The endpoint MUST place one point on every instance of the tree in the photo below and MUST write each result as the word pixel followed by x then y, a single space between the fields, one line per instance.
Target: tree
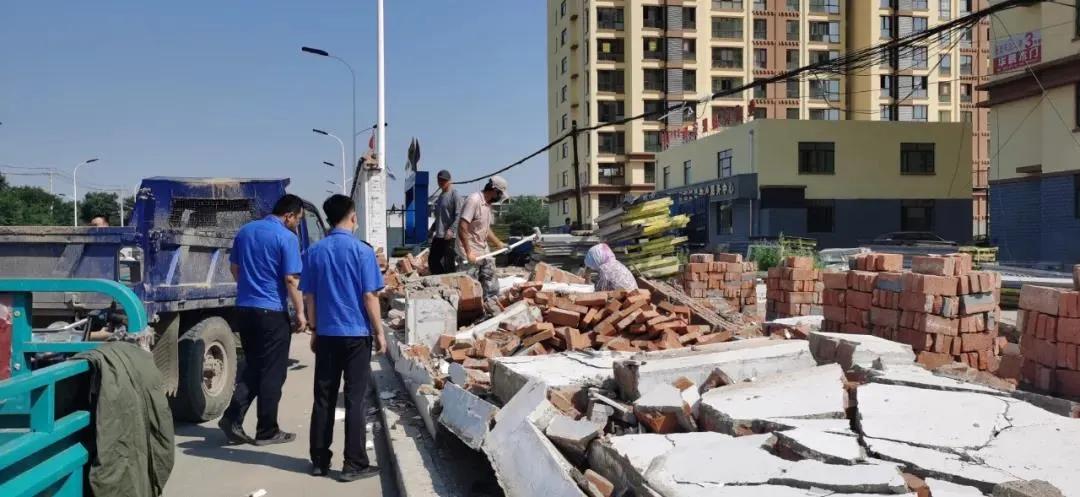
pixel 32 206
pixel 523 213
pixel 104 204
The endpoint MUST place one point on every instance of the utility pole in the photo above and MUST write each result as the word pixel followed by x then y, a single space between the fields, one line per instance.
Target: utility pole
pixel 577 174
pixel 372 187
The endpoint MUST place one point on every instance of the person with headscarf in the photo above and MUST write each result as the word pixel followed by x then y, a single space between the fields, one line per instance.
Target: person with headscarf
pixel 611 274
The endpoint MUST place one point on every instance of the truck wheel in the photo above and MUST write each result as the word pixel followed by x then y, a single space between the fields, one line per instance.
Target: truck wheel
pixel 207 354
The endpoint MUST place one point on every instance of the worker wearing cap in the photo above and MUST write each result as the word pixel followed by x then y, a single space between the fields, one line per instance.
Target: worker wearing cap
pixel 474 232
pixel 443 231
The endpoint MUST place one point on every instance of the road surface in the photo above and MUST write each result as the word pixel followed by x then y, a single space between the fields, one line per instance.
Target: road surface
pixel 206 467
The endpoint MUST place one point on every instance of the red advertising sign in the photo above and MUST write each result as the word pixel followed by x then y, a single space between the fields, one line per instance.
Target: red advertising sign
pixel 1017 51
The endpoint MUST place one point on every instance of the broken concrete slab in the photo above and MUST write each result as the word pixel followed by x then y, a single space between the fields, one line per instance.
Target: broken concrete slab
pixel 664 410
pixel 573 436
pixel 624 460
pixel 861 478
pixel 930 418
pixel 587 368
pixel 1039 450
pixel 518 314
pixel 836 426
pixel 818 445
pixel 943 488
pixel 938 463
pixel 1021 488
pixel 526 463
pixel 739 362
pixel 916 376
pixel 850 350
pixel 458 374
pixel 466 415
pixel 816 393
pixel 427 318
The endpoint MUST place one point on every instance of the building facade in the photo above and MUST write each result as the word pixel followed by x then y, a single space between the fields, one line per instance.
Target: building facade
pixel 609 59
pixel 840 183
pixel 1034 102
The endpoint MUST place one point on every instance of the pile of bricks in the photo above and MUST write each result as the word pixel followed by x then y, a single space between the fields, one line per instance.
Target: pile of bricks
pixel 722 276
pixel 793 289
pixel 1049 320
pixel 942 308
pixel 546 273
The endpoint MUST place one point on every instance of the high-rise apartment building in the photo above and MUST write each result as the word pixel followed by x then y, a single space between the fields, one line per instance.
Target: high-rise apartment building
pixel 610 59
pixel 934 81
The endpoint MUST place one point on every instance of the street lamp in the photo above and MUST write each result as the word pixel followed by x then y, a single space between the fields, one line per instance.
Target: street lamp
pixel 75 189
pixel 324 53
pixel 330 164
pixel 342 144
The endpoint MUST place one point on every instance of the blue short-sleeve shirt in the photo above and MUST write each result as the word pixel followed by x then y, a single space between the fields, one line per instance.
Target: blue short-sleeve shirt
pixel 338 271
pixel 266 251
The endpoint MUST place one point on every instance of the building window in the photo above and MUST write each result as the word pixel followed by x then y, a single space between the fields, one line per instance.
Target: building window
pixel 919 5
pixel 944 92
pixel 912 87
pixel 652 142
pixel 761 29
pixel 759 5
pixel 965 92
pixel 792 29
pixel 727 58
pixel 562 38
pixel 689 49
pixel 563 66
pixel 723 163
pixel 650 170
pixel 918 25
pixel 821 56
pixel 826 6
pixel 609 80
pixel 654 79
pixel 565 150
pixel 727 28
pixel 965 65
pixel 793 5
pixel 689 80
pixel 565 206
pixel 563 123
pixel 725 222
pixel 686 172
pixel 913 58
pixel 886 4
pixel 791 113
pixel 610 174
pixel 612 143
pixel 913 113
pixel 965 116
pixel 689 18
pixel 966 38
pixel 886 113
pixel 886 27
pixel 791 58
pixel 610 110
pixel 824 114
pixel 761 58
pixel 653 48
pixel 760 113
pixel 945 9
pixel 917 215
pixel 944 116
pixel 945 66
pixel 916 158
pixel 825 89
pixel 565 175
pixel 826 32
pixel 654 109
pixel 792 88
pixel 817 157
pixel 727 116
pixel 965 7
pixel 653 16
pixel 819 216
pixel 562 94
pixel 609 18
pixel 727 4
pixel 759 89
pixel 667 177
pixel 609 49
pixel 726 85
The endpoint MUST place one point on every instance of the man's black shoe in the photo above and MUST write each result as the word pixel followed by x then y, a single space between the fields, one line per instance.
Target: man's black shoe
pixel 280 437
pixel 353 474
pixel 320 470
pixel 234 433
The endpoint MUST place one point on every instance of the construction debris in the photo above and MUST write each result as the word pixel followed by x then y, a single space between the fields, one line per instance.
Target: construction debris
pixel 722 276
pixel 793 289
pixel 1050 322
pixel 642 237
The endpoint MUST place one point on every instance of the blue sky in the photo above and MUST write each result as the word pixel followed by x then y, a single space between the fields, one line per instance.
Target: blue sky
pixel 213 88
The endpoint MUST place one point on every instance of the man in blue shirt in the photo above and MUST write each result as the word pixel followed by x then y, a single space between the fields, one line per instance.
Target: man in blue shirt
pixel 341 282
pixel 265 262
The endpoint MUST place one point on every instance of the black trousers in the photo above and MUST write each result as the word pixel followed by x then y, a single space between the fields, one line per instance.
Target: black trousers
pixel 265 336
pixel 334 357
pixel 441 256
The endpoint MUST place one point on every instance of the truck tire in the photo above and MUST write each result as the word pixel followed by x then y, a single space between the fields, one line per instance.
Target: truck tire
pixel 207 354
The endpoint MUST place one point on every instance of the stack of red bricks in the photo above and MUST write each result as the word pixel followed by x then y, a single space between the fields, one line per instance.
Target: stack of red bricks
pixel 942 308
pixel 1049 319
pixel 723 276
pixel 793 289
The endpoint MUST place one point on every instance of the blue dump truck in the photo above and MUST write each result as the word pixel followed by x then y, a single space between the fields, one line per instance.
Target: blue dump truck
pixel 174 256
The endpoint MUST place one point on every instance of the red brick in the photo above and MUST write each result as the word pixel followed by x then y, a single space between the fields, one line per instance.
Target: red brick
pixel 933 360
pixel 889 262
pixel 595 299
pixel 701 257
pixel 885 317
pixel 862 281
pixel 723 257
pixel 835 280
pixel 974 342
pixel 601 485
pixel 533 328
pixel 444 343
pixel 1043 299
pixel 1068 330
pixel 1067 382
pixel 1066 356
pixel 832 313
pixel 858 300
pixel 1045 378
pixel 1045 353
pixel 930 323
pixel 537 338
pixel 943 344
pixel 939 266
pixel 929 284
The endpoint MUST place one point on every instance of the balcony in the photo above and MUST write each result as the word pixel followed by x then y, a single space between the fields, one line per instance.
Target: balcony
pixel 610 180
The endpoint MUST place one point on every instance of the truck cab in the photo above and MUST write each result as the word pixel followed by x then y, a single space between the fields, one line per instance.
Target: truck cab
pixel 174 255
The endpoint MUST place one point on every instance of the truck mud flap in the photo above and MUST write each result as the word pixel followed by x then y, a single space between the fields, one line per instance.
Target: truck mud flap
pixel 165 351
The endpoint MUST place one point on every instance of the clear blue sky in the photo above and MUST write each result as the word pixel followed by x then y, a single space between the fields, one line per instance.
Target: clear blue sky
pixel 213 88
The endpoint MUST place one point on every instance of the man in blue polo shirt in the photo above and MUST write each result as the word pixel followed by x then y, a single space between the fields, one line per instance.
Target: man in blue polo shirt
pixel 265 262
pixel 341 282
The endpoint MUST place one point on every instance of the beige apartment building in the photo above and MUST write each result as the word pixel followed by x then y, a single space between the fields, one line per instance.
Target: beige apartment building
pixel 609 59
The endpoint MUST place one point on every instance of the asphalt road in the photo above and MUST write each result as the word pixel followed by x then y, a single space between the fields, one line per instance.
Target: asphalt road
pixel 206 467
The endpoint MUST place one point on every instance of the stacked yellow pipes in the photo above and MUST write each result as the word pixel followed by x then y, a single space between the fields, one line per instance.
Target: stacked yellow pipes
pixel 643 237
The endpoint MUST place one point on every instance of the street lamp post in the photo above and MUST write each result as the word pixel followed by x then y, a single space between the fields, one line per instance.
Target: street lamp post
pixel 75 189
pixel 342 144
pixel 324 53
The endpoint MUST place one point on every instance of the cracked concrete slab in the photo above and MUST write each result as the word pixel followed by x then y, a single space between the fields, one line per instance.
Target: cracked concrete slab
pixel 466 415
pixel 664 410
pixel 819 446
pixel 838 426
pixel 573 436
pixel 868 478
pixel 813 393
pixel 1045 451
pixel 739 361
pixel 938 463
pixel 930 418
pixel 919 377
pixel 850 350
pixel 943 488
pixel 592 368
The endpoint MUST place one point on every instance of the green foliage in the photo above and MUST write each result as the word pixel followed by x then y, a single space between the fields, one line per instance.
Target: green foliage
pixel 32 206
pixel 769 256
pixel 523 213
pixel 103 204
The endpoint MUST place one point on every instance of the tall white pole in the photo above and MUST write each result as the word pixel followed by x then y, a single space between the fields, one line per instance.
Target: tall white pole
pixel 375 180
pixel 120 200
pixel 75 190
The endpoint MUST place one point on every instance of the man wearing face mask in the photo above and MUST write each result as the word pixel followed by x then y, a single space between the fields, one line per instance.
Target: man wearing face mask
pixel 265 262
pixel 474 232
